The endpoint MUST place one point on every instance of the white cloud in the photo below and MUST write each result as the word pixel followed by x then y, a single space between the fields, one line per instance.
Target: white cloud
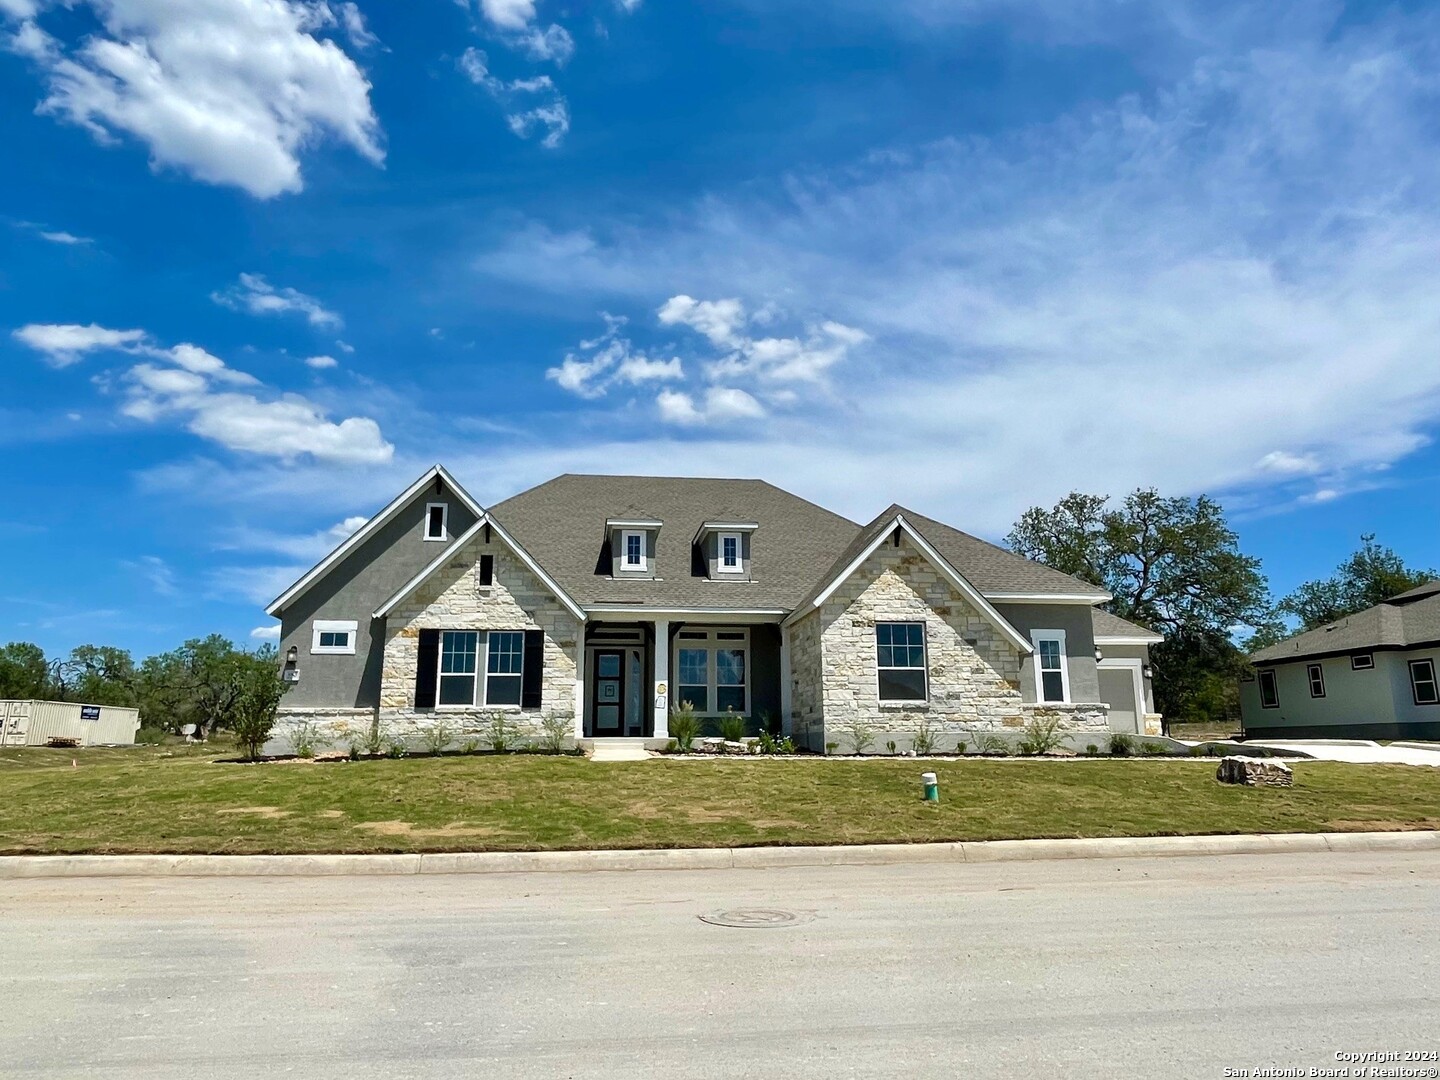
pixel 628 6
pixel 641 369
pixel 1221 286
pixel 156 572
pixel 553 43
pixel 720 404
pixel 255 295
pixel 352 20
pixel 602 362
pixel 265 633
pixel 62 237
pixel 322 362
pixel 229 91
pixel 67 343
pixel 718 320
pixel 508 14
pixel 552 115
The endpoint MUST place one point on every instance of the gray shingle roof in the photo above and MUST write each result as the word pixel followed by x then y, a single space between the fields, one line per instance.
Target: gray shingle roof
pixel 1106 625
pixel 562 524
pixel 1408 620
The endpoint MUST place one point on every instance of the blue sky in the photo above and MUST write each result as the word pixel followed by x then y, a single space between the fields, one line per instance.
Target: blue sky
pixel 262 262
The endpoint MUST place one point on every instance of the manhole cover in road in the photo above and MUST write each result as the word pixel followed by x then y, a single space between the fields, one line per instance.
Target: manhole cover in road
pixel 755 918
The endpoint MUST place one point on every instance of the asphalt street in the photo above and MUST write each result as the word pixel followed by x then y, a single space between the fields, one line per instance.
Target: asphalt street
pixel 1176 967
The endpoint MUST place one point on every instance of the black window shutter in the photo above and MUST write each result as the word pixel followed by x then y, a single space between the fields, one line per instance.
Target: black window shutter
pixel 534 673
pixel 487 569
pixel 428 669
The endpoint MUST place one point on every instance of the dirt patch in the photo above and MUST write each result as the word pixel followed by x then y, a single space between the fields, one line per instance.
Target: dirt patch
pixel 331 814
pixel 257 811
pixel 405 828
pixel 1380 825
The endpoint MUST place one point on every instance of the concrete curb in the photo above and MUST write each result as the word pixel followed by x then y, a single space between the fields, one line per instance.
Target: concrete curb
pixel 512 862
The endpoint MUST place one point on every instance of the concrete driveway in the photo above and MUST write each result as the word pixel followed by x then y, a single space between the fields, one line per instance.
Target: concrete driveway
pixel 1098 968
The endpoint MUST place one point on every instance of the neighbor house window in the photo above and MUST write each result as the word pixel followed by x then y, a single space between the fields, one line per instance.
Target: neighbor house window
pixel 1269 692
pixel 460 673
pixel 713 670
pixel 900 658
pixel 437 516
pixel 333 636
pixel 505 668
pixel 1422 682
pixel 730 561
pixel 458 649
pixel 633 550
pixel 1052 679
pixel 1316 674
pixel 1362 661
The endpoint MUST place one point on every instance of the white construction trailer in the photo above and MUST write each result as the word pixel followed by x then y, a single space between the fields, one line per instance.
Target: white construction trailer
pixel 35 723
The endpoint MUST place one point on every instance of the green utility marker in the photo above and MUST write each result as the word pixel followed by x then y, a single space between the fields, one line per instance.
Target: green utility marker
pixel 932 787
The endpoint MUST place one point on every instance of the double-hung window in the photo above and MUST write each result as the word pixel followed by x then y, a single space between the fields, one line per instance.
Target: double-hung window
pixel 713 670
pixel 730 558
pixel 900 660
pixel 632 550
pixel 1316 676
pixel 1422 682
pixel 1052 677
pixel 1269 690
pixel 461 682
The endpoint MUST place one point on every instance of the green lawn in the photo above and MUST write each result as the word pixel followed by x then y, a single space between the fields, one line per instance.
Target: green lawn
pixel 181 800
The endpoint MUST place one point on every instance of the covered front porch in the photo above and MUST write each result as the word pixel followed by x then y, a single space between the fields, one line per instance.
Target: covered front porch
pixel 635 666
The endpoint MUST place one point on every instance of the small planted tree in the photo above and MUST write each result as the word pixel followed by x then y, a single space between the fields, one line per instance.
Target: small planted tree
pixel 252 712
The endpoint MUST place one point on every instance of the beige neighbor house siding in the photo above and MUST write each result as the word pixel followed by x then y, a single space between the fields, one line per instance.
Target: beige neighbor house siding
pixel 973 672
pixel 453 599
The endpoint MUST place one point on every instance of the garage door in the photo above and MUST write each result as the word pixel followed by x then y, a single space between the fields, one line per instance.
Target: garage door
pixel 1117 687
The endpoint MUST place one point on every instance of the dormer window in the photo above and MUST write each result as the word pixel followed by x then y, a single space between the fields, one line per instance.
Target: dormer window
pixel 634 550
pixel 730 561
pixel 437 517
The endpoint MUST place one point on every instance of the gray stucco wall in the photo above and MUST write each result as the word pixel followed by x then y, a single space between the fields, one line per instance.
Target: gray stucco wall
pixel 711 552
pixel 1075 620
pixel 1134 652
pixel 1375 703
pixel 351 590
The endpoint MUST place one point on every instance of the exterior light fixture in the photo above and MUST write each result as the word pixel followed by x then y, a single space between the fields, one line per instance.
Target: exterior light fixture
pixel 292 654
pixel 1099 655
pixel 1148 671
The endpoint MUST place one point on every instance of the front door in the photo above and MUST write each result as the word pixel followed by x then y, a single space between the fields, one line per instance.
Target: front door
pixel 609 692
pixel 1117 689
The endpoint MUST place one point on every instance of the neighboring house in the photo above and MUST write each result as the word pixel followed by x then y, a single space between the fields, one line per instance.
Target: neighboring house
pixel 611 599
pixel 1368 676
pixel 1371 675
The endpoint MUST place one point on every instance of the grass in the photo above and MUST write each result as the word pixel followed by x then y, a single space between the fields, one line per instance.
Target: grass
pixel 180 800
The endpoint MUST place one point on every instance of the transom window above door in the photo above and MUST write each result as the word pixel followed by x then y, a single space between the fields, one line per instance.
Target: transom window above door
pixel 712 669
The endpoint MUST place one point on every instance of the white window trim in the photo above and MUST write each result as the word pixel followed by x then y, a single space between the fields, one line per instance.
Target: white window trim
pixel 739 567
pixel 444 521
pixel 625 565
pixel 1037 636
pixel 890 703
pixel 333 626
pixel 712 644
pixel 481 675
pixel 1433 680
pixel 1314 673
pixel 1368 665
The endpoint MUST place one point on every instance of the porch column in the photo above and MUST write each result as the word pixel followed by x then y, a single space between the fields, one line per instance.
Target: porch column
pixel 786 689
pixel 579 731
pixel 662 679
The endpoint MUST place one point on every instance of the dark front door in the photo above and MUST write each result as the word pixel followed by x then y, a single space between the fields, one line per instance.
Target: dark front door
pixel 609 696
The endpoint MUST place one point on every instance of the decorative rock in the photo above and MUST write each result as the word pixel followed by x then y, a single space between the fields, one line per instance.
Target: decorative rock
pixel 1252 772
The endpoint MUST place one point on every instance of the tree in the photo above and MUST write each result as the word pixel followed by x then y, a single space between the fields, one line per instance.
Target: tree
pixel 202 683
pixel 1370 576
pixel 96 675
pixel 23 671
pixel 253 714
pixel 1172 564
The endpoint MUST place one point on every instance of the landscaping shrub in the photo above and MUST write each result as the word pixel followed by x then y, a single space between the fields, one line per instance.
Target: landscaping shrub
pixel 1154 749
pixel 732 727
pixel 1042 734
pixel 502 734
pixel 684 727
pixel 831 747
pixel 1121 744
pixel 861 734
pixel 923 741
pixel 1091 750
pixel 395 745
pixel 773 744
pixel 960 747
pixel 890 746
pixel 303 737
pixel 438 737
pixel 470 745
pixel 989 743
pixel 555 729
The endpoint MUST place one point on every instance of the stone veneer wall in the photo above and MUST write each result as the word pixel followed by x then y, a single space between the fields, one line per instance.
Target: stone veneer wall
pixel 453 599
pixel 972 687
pixel 806 724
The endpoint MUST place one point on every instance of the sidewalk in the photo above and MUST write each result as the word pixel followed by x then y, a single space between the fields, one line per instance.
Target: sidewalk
pixel 507 862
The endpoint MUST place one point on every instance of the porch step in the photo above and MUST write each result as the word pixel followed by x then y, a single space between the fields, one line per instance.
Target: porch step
pixel 616 749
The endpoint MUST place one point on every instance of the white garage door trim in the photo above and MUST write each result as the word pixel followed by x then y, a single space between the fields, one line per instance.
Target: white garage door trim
pixel 1137 673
